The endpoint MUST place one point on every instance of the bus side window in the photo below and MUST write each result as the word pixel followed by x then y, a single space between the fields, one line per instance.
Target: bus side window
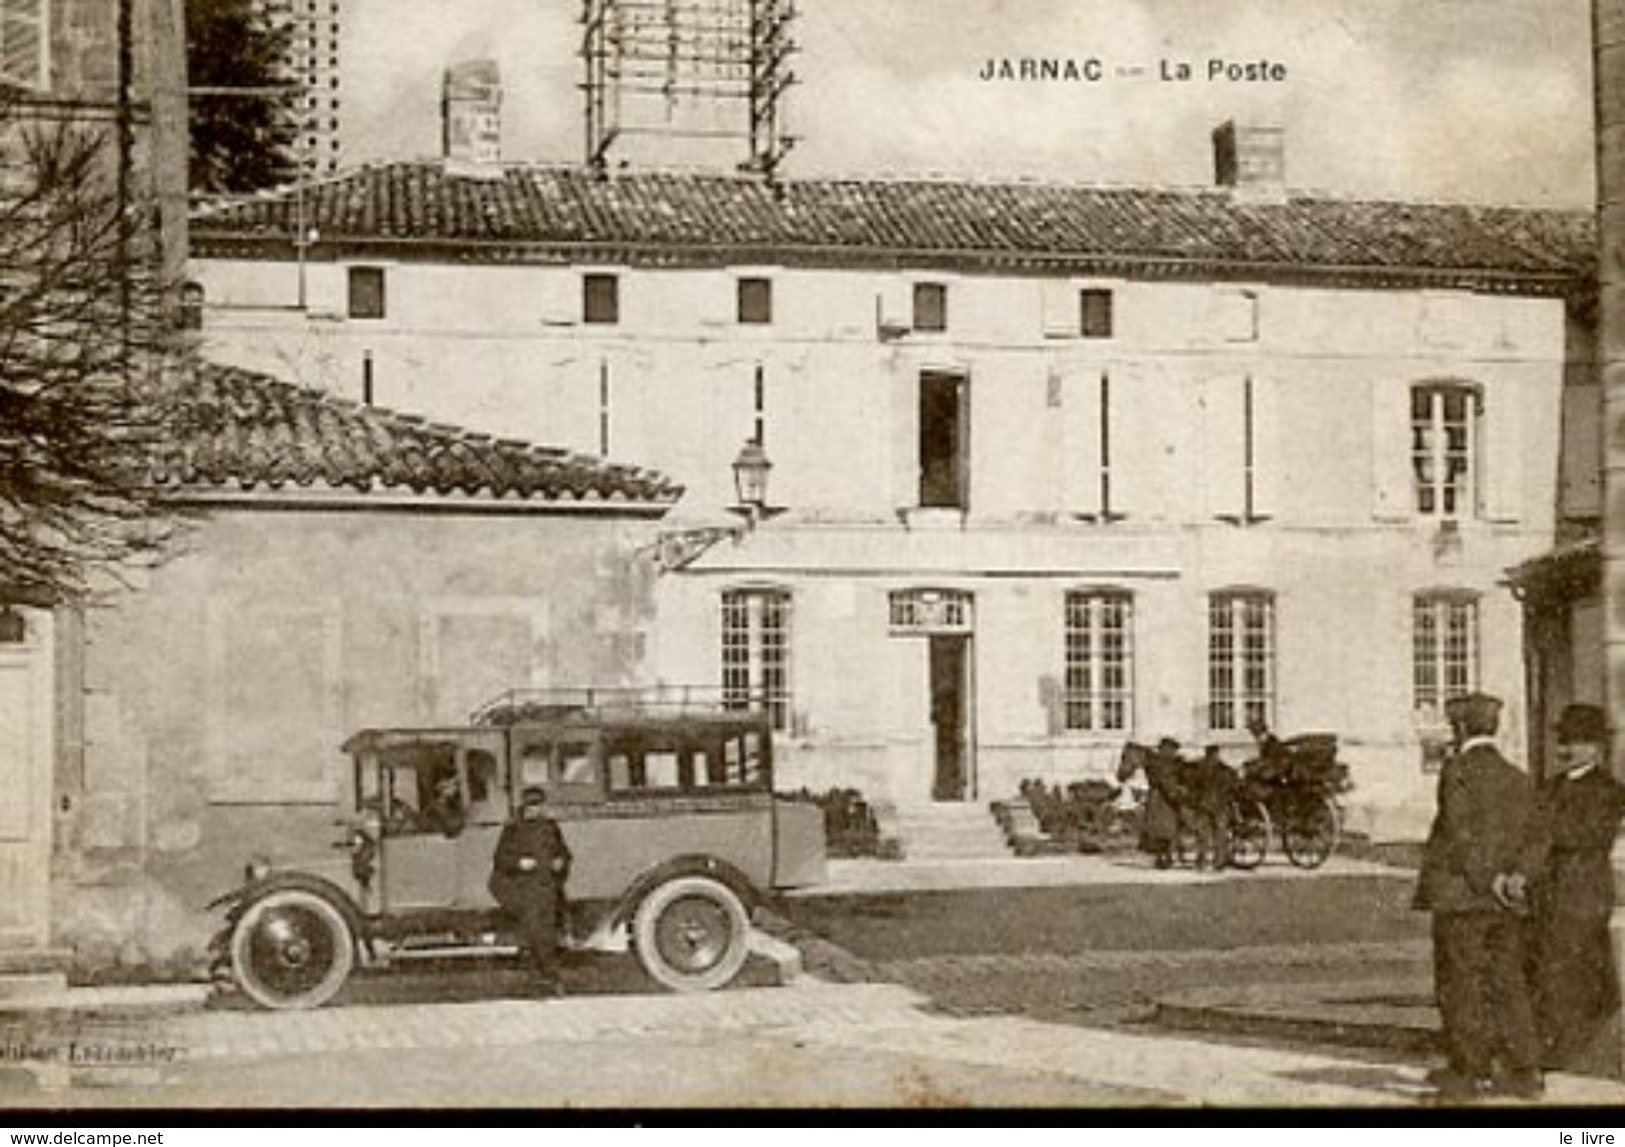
pixel 620 771
pixel 533 766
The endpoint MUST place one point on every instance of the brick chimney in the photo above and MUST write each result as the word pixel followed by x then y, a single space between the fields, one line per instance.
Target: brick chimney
pixel 1250 159
pixel 471 119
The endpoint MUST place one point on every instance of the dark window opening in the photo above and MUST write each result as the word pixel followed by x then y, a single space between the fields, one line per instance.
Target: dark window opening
pixel 944 441
pixel 930 307
pixel 601 298
pixel 1096 308
pixel 366 292
pixel 192 299
pixel 755 300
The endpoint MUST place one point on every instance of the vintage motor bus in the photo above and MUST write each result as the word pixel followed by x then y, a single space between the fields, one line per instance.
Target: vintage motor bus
pixel 668 809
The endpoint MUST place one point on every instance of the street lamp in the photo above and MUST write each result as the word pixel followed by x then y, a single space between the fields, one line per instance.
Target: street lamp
pixel 750 473
pixel 751 468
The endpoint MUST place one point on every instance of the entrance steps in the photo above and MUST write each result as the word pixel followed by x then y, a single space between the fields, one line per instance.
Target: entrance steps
pixel 956 830
pixel 28 974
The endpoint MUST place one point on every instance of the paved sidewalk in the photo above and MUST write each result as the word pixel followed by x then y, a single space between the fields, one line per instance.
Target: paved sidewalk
pixel 835 1023
pixel 860 877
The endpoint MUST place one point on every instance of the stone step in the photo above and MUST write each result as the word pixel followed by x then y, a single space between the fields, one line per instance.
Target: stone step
pixel 917 850
pixel 23 960
pixel 23 987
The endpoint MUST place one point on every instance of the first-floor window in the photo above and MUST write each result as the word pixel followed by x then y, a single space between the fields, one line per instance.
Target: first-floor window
pixel 1444 648
pixel 756 652
pixel 1241 659
pixel 1099 684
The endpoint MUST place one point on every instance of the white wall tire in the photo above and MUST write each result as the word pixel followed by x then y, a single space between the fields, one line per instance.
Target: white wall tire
pixel 291 949
pixel 692 934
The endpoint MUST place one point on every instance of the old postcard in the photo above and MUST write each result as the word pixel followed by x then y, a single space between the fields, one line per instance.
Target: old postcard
pixel 658 553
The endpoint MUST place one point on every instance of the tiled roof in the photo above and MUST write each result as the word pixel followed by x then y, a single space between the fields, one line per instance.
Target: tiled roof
pixel 685 216
pixel 241 430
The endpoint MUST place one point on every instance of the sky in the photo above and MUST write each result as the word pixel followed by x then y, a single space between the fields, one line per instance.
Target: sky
pixel 1455 100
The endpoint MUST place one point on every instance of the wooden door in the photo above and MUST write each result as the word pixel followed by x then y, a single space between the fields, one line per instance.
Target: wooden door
pixel 25 778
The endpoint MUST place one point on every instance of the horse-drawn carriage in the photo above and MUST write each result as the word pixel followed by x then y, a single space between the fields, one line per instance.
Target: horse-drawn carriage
pixel 1296 782
pixel 1287 794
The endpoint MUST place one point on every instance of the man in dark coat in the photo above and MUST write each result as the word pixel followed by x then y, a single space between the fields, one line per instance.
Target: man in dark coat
pixel 1159 833
pixel 1211 791
pixel 528 873
pixel 1580 813
pixel 1477 853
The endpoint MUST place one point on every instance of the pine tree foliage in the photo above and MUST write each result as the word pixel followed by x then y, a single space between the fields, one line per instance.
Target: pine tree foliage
pixel 241 141
pixel 86 353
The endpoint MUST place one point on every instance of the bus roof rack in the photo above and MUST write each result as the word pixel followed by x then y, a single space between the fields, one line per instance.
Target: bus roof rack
pixel 526 706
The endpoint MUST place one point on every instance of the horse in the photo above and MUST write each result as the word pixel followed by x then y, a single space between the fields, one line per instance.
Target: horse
pixel 1164 804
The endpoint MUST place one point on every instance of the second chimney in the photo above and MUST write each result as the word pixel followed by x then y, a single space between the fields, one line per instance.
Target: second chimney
pixel 471 119
pixel 1250 159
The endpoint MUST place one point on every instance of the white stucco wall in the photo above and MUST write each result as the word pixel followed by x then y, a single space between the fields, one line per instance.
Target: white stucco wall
pixel 497 348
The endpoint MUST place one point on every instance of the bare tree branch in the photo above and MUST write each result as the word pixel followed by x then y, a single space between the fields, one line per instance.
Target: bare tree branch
pixel 87 357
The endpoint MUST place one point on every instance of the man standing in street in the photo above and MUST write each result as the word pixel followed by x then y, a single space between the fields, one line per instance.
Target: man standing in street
pixel 1581 809
pixel 1480 844
pixel 1213 792
pixel 529 869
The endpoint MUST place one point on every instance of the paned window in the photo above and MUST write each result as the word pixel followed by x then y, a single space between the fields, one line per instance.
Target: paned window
pixel 1444 436
pixel 1096 318
pixel 755 301
pixel 1099 684
pixel 600 298
pixel 1240 659
pixel 366 293
pixel 756 652
pixel 930 307
pixel 1444 637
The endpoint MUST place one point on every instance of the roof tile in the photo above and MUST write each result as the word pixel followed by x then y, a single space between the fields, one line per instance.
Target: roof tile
pixel 838 220
pixel 238 427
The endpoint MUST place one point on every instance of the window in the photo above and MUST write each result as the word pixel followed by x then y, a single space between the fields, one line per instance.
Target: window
pixel 1240 659
pixel 755 300
pixel 756 652
pixel 1098 691
pixel 1096 318
pixel 944 448
pixel 23 43
pixel 1444 648
pixel 366 293
pixel 930 307
pixel 192 300
pixel 601 298
pixel 1234 315
pixel 1444 435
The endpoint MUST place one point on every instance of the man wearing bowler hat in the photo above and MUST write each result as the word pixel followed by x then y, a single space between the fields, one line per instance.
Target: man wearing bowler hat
pixel 1580 812
pixel 1477 854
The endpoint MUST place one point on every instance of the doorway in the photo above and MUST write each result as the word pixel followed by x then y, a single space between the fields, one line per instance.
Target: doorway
pixel 950 711
pixel 25 778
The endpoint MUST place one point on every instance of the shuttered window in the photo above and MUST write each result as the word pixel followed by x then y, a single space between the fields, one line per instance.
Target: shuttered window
pixel 1444 449
pixel 23 42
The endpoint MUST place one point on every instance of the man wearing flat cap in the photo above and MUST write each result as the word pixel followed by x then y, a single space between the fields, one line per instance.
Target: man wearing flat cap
pixel 1473 869
pixel 528 872
pixel 1580 813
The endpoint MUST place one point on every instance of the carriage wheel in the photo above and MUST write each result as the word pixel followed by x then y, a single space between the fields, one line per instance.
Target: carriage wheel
pixel 1311 835
pixel 1249 834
